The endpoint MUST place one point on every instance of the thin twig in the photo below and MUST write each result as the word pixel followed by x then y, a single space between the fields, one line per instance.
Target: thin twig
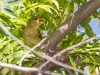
pixel 20 62
pixel 38 53
pixel 93 69
pixel 18 41
pixel 77 45
pixel 96 15
pixel 81 31
pixel 69 49
pixel 24 69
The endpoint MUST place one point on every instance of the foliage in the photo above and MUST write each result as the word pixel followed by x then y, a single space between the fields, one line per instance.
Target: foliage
pixel 14 14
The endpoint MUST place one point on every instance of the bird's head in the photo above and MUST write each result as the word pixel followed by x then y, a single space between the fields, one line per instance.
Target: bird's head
pixel 35 22
pixel 39 20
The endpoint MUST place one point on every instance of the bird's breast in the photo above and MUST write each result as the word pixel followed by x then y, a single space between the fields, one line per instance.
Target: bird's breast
pixel 31 37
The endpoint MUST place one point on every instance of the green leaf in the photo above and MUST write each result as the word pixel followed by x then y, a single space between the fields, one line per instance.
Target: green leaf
pixel 89 32
pixel 78 39
pixel 14 72
pixel 88 29
pixel 28 63
pixel 96 48
pixel 14 60
pixel 4 71
pixel 53 9
pixel 40 11
pixel 16 54
pixel 86 60
pixel 88 45
pixel 16 32
pixel 61 3
pixel 15 57
pixel 71 61
pixel 19 21
pixel 1 56
pixel 92 68
pixel 71 7
pixel 55 2
pixel 34 5
pixel 8 12
pixel 45 7
pixel 63 72
pixel 13 3
pixel 84 24
pixel 9 47
pixel 5 18
pixel 4 42
pixel 27 3
pixel 99 21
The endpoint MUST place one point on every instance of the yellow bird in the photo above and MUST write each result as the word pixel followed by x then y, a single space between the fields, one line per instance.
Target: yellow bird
pixel 31 34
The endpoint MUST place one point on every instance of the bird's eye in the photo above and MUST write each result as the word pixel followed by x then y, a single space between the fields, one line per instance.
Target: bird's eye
pixel 35 18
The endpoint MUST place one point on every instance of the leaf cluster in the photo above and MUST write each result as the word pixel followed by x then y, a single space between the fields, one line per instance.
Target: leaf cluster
pixel 14 14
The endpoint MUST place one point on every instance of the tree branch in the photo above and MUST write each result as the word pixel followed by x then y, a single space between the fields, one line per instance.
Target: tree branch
pixel 38 53
pixel 69 49
pixel 26 70
pixel 68 25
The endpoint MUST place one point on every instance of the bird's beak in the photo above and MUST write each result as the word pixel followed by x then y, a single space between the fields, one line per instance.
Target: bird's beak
pixel 41 20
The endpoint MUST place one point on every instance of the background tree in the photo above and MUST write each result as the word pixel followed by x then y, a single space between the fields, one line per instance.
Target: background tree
pixel 65 21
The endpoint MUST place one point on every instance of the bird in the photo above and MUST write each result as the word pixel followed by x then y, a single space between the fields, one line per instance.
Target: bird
pixel 30 33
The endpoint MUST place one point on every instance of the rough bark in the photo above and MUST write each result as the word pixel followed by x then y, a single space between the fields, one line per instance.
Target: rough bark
pixel 68 25
pixel 49 46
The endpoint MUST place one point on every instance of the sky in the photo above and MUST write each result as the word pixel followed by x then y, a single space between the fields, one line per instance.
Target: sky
pixel 94 23
pixel 95 26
